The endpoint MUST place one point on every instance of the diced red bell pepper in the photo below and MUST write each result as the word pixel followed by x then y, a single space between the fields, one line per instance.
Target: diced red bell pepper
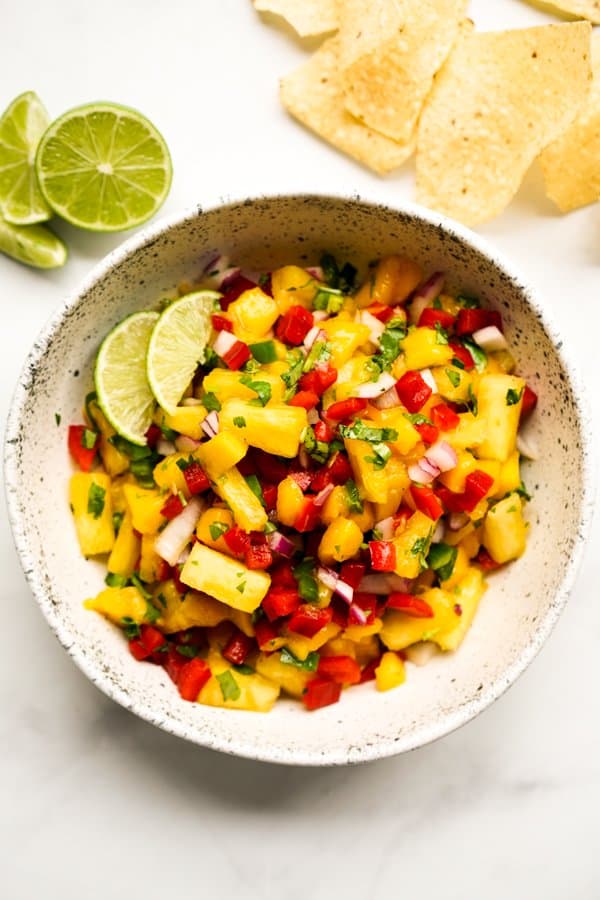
pixel 268 466
pixel 429 433
pixel 430 317
pixel 324 432
pixel 409 604
pixel 339 469
pixel 383 556
pixel 236 289
pixel 237 540
pixel 320 479
pixel 308 620
pixel 345 409
pixel 237 648
pixel 220 323
pixel 269 492
pixel 280 602
pixel 192 678
pixel 319 379
pixel 452 501
pixel 368 673
pixel 173 663
pixel 368 604
pixel 352 573
pixel 236 356
pixel 486 561
pixel 444 418
pixel 413 391
pixel 321 692
pixel 341 669
pixel 462 355
pixel 381 311
pixel 172 507
pixel 258 557
pixel 153 436
pixel 470 320
pixel 304 399
pixel 137 650
pixel 477 485
pixel 426 501
pixel 151 638
pixel 176 575
pixel 163 569
pixel 195 478
pixel 529 402
pixel 294 325
pixel 402 516
pixel 265 634
pixel 283 576
pixel 308 517
pixel 83 456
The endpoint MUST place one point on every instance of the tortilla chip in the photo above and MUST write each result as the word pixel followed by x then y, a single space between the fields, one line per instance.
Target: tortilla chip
pixel 307 17
pixel 314 95
pixel 500 98
pixel 571 165
pixel 582 9
pixel 391 56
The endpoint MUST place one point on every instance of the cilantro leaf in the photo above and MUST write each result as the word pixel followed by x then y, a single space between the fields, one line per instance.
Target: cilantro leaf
pixel 295 359
pixel 478 355
pixel 442 558
pixel 95 503
pixel 513 397
pixel 355 504
pixel 131 629
pixel 217 529
pixel 309 664
pixel 211 402
pixel 453 377
pixel 261 388
pixel 382 454
pixel 239 421
pixel 361 432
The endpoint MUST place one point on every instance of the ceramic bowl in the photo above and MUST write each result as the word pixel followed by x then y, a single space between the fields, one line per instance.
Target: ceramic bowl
pixel 522 603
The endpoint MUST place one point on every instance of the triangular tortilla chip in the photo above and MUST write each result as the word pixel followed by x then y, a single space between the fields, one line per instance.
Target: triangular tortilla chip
pixel 307 17
pixel 582 9
pixel 571 165
pixel 314 95
pixel 500 98
pixel 391 56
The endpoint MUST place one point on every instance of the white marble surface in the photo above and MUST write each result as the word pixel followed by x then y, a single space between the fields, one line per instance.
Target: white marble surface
pixel 97 804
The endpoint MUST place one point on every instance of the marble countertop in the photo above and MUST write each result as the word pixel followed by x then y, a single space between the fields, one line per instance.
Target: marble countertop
pixel 98 804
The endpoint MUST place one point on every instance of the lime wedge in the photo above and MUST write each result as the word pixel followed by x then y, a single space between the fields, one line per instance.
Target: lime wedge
pixel 21 127
pixel 177 346
pixel 103 167
pixel 34 245
pixel 120 375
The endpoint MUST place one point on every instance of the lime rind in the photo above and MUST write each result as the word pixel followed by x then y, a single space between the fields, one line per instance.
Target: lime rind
pixel 120 377
pixel 178 345
pixel 33 245
pixel 21 127
pixel 104 167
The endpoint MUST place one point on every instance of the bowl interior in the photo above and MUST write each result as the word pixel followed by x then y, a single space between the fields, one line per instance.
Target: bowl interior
pixel 521 604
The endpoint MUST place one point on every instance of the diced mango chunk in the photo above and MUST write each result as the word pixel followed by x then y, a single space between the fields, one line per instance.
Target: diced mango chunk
pixel 422 348
pixel 220 453
pixel 467 594
pixel 225 579
pixel 341 541
pixel 239 691
pixel 126 550
pixel 91 502
pixel 145 506
pixel 390 672
pixel 392 282
pixel 293 286
pixel 275 428
pixel 504 529
pixel 253 313
pixel 118 604
pixel 499 399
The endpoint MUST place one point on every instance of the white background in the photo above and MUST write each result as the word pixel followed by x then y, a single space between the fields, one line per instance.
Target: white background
pixel 96 804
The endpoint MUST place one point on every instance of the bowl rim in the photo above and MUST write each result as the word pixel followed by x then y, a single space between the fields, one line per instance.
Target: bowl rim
pixel 243 747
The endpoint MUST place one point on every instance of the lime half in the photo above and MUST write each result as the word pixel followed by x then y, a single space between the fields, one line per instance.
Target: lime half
pixel 120 375
pixel 34 245
pixel 177 346
pixel 21 127
pixel 104 167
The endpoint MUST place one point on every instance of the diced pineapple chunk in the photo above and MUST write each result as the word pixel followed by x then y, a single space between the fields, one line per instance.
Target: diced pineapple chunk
pixel 372 482
pixel 290 679
pixel 220 453
pixel 345 336
pixel 252 692
pixel 151 564
pixel 360 633
pixel 337 504
pixel 293 286
pixel 227 385
pixel 145 506
pixel 499 399
pixel 469 433
pixel 118 604
pixel 412 543
pixel 113 460
pixel 510 475
pixel 253 313
pixel 390 672
pixel 225 579
pixel 401 630
pixel 397 482
pixel 452 383
pixel 169 476
pixel 504 529
pixel 454 479
pixel 91 503
pixel 192 610
pixel 467 594
pixel 408 436
pixel 186 420
pixel 341 541
pixel 247 509
pixel 301 646
pixel 422 349
pixel 126 550
pixel 394 279
pixel 275 428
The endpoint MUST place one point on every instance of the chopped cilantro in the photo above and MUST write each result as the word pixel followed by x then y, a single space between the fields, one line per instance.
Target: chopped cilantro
pixel 381 456
pixel 309 664
pixel 417 419
pixel 217 529
pixel 162 600
pixel 131 629
pixel 437 303
pixel 143 470
pixel 389 344
pixel 116 581
pixel 239 421
pixel 241 587
pixel 57 418
pixel 261 388
pixel 169 434
pixel 523 492
pixel 295 360
pixel 117 520
pixel 513 397
pixel 188 650
pixel 307 583
pixel 254 485
pixel 361 432
pixel 441 335
pixel 318 355
pixel 210 402
pixel 355 504
pixel 474 405
pixel 243 669
pixel 442 558
pixel 419 548
pixel 95 503
pixel 457 363
pixel 453 377
pixel 139 584
pixel 468 302
pixel 184 464
pixel 478 355
pixel 230 689
pixel 317 450
pixel 264 279
pixel 335 277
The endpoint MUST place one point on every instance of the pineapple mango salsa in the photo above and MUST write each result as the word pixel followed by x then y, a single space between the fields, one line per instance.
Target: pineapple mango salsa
pixel 337 480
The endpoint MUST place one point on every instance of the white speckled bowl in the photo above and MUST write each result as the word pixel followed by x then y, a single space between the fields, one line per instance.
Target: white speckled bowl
pixel 523 602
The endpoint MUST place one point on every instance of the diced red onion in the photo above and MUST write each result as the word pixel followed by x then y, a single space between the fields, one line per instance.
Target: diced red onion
pixel 279 543
pixel 427 376
pixel 527 446
pixel 490 338
pixel 316 272
pixel 387 400
pixel 345 591
pixel 315 334
pixel 357 615
pixel 376 328
pixel 386 528
pixel 429 467
pixel 425 295
pixel 442 456
pixel 223 342
pixel 420 654
pixel 312 416
pixel 191 401
pixel 210 425
pixel 320 315
pixel 398 583
pixel 173 539
pixel 418 474
pixel 376 388
pixel 186 444
pixel 218 273
pixel 457 521
pixel 165 448
pixel 333 581
pixel 322 496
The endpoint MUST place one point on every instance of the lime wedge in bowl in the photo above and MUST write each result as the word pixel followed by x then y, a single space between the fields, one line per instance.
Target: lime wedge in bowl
pixel 178 344
pixel 21 127
pixel 103 167
pixel 120 376
pixel 34 245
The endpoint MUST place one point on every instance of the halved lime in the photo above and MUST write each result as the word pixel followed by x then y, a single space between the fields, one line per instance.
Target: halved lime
pixel 177 346
pixel 103 167
pixel 34 245
pixel 120 375
pixel 21 127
